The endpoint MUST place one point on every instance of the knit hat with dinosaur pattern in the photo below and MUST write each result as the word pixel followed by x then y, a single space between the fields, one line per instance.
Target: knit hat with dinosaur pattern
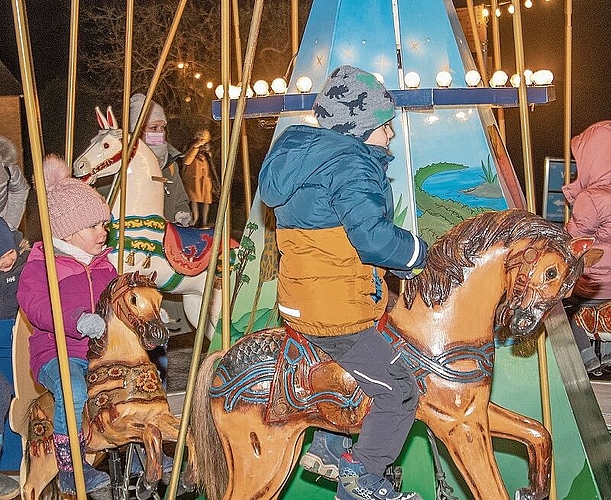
pixel 353 102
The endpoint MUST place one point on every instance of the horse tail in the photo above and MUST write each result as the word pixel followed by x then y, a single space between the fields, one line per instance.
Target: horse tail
pixel 212 471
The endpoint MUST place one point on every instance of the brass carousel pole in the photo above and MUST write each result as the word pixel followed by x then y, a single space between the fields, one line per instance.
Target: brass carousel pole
pixel 530 202
pixel 294 27
pixel 35 135
pixel 243 135
pixel 496 47
pixel 230 158
pixel 568 88
pixel 127 85
pixel 72 60
pixel 478 43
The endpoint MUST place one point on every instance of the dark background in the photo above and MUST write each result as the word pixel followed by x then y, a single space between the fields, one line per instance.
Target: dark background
pixel 544 42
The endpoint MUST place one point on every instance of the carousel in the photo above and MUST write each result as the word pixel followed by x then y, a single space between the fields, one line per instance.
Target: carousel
pixel 506 408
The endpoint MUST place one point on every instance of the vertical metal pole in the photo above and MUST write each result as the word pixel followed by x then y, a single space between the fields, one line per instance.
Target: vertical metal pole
pixel 496 47
pixel 125 152
pixel 530 202
pixel 72 60
pixel 35 135
pixel 568 89
pixel 294 27
pixel 478 43
pixel 229 170
pixel 243 135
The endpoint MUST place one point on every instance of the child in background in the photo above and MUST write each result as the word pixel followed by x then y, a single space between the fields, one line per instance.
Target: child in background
pixel 14 252
pixel 78 216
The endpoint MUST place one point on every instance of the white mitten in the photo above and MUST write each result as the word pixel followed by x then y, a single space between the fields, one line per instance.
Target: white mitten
pixel 91 325
pixel 183 218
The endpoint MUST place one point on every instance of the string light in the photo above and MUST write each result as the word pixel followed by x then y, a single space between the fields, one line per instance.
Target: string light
pixel 510 8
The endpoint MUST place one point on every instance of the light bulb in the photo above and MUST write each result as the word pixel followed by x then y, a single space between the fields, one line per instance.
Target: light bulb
pixel 498 12
pixel 304 84
pixel 499 79
pixel 209 85
pixel 528 4
pixel 485 12
pixel 543 77
pixel 379 77
pixel 412 80
pixel 443 79
pixel 472 78
pixel 279 86
pixel 219 92
pixel 261 88
pixel 511 9
pixel 234 92
pixel 528 77
pixel 515 80
pixel 197 76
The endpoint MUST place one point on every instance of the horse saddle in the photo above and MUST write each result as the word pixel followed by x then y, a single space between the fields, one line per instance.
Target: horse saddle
pixel 306 380
pixel 188 249
pixel 595 319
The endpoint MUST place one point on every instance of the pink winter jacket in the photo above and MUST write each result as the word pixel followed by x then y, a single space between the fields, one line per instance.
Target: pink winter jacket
pixel 590 198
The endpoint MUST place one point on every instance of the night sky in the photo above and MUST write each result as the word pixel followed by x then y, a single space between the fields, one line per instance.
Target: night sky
pixel 543 27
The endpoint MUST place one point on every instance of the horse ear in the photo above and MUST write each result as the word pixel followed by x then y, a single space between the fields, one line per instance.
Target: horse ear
pixel 583 247
pixel 110 116
pixel 102 121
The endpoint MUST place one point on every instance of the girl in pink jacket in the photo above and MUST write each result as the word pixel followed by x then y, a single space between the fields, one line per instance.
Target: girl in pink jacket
pixel 78 216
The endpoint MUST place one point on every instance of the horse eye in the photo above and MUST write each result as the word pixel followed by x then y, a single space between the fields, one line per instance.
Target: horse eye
pixel 106 145
pixel 133 300
pixel 551 273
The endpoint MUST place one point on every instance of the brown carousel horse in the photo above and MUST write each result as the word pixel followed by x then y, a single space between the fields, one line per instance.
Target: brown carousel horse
pixel 127 403
pixel 504 268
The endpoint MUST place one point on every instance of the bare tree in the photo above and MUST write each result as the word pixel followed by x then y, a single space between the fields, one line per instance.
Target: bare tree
pixel 193 60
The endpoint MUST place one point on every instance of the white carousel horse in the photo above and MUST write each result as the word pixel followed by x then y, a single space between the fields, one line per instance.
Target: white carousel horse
pixel 178 255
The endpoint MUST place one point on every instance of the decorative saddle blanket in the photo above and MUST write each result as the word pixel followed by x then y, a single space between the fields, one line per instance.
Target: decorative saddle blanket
pixel 188 249
pixel 280 369
pixel 594 319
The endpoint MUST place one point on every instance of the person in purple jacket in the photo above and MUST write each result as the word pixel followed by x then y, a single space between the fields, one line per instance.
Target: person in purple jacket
pixel 78 216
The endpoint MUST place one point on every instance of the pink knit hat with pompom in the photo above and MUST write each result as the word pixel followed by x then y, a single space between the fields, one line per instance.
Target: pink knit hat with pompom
pixel 73 205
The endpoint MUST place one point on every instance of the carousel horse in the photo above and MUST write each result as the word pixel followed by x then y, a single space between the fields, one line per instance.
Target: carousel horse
pixel 505 268
pixel 179 255
pixel 126 401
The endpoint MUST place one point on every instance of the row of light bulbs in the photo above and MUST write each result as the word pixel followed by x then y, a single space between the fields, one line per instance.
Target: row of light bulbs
pixel 473 78
pixel 510 8
pixel 412 81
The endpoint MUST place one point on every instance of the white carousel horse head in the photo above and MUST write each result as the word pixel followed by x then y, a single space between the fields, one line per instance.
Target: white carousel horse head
pixel 145 225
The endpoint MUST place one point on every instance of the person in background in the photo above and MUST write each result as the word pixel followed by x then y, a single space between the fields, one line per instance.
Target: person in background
pixel 78 216
pixel 14 251
pixel 197 176
pixel 14 188
pixel 175 209
pixel 334 213
pixel 590 199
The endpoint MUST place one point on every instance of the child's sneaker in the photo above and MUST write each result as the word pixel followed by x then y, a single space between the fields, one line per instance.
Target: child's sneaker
pixel 323 456
pixel 355 483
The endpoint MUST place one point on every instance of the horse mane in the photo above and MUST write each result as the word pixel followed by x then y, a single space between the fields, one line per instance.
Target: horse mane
pixel 458 249
pixel 105 305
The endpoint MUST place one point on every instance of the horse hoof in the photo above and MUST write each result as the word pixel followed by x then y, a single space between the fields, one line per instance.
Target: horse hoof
pixel 145 490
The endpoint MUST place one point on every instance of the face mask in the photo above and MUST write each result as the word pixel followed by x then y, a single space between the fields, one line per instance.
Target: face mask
pixel 154 138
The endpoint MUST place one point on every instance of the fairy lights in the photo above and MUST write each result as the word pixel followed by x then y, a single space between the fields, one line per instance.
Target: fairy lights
pixel 506 6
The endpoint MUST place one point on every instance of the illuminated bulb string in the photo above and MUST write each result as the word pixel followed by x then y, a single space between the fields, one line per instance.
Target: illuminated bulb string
pixel 507 6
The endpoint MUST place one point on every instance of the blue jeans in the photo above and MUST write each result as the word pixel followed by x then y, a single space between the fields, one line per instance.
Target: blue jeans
pixel 49 377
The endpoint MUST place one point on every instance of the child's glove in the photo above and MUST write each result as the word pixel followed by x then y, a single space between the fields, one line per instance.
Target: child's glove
pixel 406 275
pixel 183 218
pixel 163 315
pixel 91 325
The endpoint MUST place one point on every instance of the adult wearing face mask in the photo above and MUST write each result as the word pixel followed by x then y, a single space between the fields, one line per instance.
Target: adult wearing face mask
pixel 176 204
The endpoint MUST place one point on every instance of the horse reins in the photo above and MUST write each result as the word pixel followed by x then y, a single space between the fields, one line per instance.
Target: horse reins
pixel 110 161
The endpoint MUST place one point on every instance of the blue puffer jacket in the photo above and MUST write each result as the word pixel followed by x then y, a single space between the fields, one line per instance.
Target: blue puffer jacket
pixel 334 211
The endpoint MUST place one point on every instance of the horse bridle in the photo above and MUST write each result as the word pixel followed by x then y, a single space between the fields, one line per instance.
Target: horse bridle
pixel 522 288
pixel 110 161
